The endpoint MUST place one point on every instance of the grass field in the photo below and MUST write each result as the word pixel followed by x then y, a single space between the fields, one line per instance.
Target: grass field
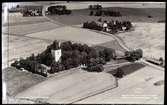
pixel 72 34
pixel 19 25
pixel 128 69
pixel 24 29
pixel 148 36
pixel 131 14
pixel 110 44
pixel 135 88
pixel 24 47
pixel 81 84
pixel 18 81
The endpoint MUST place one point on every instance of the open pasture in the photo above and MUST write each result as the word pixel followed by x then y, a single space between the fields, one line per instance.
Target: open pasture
pixel 24 47
pixel 148 36
pixel 24 29
pixel 74 34
pixel 80 85
pixel 17 80
pixel 132 14
pixel 135 88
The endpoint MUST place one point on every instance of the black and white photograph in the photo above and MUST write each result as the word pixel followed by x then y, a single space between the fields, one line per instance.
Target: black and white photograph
pixel 83 52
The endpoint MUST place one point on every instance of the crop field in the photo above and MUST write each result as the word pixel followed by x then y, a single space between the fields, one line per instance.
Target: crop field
pixel 18 81
pixel 110 44
pixel 78 35
pixel 131 14
pixel 83 5
pixel 23 47
pixel 148 36
pixel 137 88
pixel 19 25
pixel 130 68
pixel 80 85
pixel 17 18
pixel 30 28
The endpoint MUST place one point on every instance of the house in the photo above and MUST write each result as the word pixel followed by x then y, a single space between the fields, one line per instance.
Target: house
pixel 32 10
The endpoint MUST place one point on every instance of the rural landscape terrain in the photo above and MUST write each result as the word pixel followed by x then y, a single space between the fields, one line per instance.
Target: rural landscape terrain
pixel 123 66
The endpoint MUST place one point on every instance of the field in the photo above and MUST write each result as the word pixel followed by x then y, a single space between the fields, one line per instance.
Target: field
pixel 135 88
pixel 17 18
pixel 128 69
pixel 18 81
pixel 131 14
pixel 19 25
pixel 80 85
pixel 148 36
pixel 24 47
pixel 110 44
pixel 79 35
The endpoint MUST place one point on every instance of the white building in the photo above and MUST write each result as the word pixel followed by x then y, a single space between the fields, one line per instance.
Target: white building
pixel 56 54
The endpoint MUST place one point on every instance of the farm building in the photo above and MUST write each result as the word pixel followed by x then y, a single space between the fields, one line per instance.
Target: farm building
pixel 42 69
pixel 32 10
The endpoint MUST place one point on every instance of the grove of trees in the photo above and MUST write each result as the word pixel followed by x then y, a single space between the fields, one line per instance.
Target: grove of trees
pixel 73 55
pixel 59 10
pixel 134 55
pixel 95 7
pixel 114 26
pixel 100 12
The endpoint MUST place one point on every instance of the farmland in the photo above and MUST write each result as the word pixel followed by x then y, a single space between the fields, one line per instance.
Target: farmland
pixel 131 14
pixel 18 81
pixel 148 36
pixel 22 47
pixel 74 90
pixel 73 34
pixel 136 91
pixel 26 35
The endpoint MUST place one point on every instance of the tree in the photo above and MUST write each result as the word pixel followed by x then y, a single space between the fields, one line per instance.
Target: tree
pixel 91 13
pixel 161 61
pixel 49 59
pixel 17 6
pixel 68 63
pixel 76 58
pixel 90 6
pixel 66 46
pixel 119 73
pixel 109 53
pixel 16 64
pixel 99 20
pixel 98 13
pixel 139 53
pixel 76 61
pixel 101 60
pixel 96 68
pixel 84 57
pixel 93 53
pixel 55 45
pixel 32 57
